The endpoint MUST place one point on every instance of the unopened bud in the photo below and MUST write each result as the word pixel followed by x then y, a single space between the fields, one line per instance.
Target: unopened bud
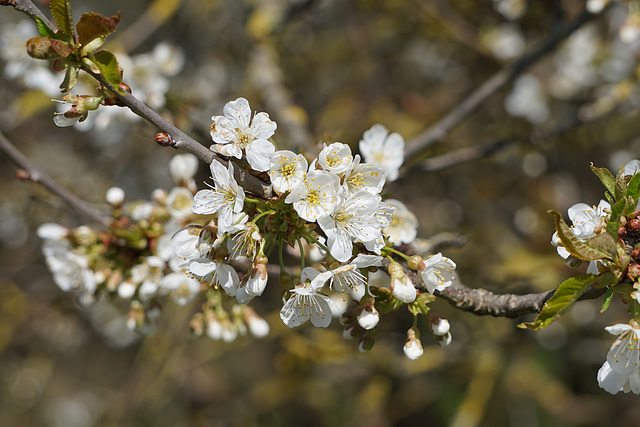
pixel 369 318
pixel 634 272
pixel 164 139
pixel 395 269
pixel 443 340
pixel 23 175
pixel 415 262
pixel 439 326
pixel 413 346
pixel 115 196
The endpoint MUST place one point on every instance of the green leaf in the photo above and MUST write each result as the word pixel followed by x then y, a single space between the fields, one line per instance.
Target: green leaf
pixel 633 188
pixel 621 184
pixel 108 65
pixel 565 296
pixel 614 219
pixel 606 177
pixel 575 246
pixel 61 11
pixel 607 300
pixel 43 28
pixel 606 244
pixel 70 78
pixel 93 25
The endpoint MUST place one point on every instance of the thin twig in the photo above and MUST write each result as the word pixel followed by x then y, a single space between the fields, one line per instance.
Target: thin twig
pixel 416 147
pixel 27 6
pixel 35 174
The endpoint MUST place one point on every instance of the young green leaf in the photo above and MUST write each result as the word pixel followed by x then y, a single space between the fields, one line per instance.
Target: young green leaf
pixel 574 245
pixel 606 177
pixel 605 244
pixel 607 300
pixel 40 48
pixel 633 188
pixel 565 296
pixel 93 25
pixel 70 79
pixel 614 220
pixel 61 11
pixel 108 65
pixel 43 28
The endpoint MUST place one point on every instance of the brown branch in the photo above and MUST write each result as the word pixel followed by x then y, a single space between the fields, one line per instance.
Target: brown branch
pixel 435 133
pixel 27 6
pixel 35 174
pixel 482 302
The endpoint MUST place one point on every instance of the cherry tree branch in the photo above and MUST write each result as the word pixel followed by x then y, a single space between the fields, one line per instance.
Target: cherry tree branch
pixel 178 139
pixel 32 173
pixel 441 128
pixel 482 302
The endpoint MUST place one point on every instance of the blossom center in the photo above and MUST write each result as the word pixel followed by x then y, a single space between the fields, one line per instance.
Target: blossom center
pixel 333 161
pixel 288 170
pixel 313 198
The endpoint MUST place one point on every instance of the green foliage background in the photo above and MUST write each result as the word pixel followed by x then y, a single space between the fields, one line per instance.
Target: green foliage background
pixel 346 65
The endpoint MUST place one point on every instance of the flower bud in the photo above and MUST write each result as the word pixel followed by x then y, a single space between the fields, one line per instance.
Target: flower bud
pixel 258 327
pixel 369 318
pixel 439 326
pixel 413 347
pixel 403 289
pixel 183 167
pixel 164 139
pixel 115 196
pixel 443 340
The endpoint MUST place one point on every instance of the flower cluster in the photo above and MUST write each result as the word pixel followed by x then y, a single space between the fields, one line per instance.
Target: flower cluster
pixel 621 370
pixel 331 205
pixel 214 246
pixel 134 260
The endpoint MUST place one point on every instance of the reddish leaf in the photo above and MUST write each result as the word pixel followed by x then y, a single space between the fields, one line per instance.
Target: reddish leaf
pixel 93 25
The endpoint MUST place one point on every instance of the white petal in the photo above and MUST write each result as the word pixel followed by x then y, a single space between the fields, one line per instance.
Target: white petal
pixel 259 153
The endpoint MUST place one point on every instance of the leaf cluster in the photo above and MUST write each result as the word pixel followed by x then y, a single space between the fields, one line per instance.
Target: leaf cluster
pixel 75 48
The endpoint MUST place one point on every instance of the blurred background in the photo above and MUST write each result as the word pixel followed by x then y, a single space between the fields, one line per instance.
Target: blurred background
pixel 325 71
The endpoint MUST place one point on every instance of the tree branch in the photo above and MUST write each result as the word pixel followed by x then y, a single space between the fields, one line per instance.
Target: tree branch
pixel 482 302
pixel 35 174
pixel 179 139
pixel 436 132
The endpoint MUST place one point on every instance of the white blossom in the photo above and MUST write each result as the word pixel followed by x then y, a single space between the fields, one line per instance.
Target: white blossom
pixel 437 272
pixel 314 197
pixel 364 176
pixel 226 199
pixel 236 131
pixel 621 370
pixel 305 304
pixel 335 158
pixel 181 288
pixel 382 149
pixel 254 286
pixel 404 224
pixel 587 222
pixel 286 170
pixel 214 273
pixel 352 219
